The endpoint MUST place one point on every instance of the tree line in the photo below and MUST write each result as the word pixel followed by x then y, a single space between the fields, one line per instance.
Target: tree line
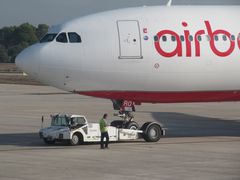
pixel 14 39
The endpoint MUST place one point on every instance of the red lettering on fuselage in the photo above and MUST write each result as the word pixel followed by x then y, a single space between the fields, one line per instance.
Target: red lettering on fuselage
pixel 212 42
pixel 178 51
pixel 188 42
pixel 197 42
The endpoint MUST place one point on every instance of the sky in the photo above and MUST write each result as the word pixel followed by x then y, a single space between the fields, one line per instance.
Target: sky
pixel 52 12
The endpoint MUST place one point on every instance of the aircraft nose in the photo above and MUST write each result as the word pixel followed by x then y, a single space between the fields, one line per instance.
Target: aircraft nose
pixel 28 61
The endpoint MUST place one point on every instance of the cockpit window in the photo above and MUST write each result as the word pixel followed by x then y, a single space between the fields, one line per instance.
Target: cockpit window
pixel 62 38
pixel 48 38
pixel 74 37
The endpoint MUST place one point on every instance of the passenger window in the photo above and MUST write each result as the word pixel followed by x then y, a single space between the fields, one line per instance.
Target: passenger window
pixel 164 38
pixel 156 38
pixel 190 38
pixel 74 37
pixel 48 38
pixel 182 38
pixel 224 38
pixel 173 38
pixel 208 38
pixel 62 38
pixel 199 38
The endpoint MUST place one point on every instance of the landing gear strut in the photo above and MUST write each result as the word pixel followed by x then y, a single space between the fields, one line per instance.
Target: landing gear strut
pixel 151 131
pixel 126 122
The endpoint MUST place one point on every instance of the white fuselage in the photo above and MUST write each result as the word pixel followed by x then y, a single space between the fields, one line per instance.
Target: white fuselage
pixel 149 52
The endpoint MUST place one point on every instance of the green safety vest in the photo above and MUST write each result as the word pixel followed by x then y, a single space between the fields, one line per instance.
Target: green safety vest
pixel 103 125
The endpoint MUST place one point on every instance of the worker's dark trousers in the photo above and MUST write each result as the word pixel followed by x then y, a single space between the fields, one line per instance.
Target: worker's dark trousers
pixel 104 135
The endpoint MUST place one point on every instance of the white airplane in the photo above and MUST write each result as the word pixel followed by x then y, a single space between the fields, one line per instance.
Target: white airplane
pixel 145 54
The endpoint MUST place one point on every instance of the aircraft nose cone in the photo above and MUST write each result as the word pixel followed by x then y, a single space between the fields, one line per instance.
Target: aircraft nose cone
pixel 19 61
pixel 27 61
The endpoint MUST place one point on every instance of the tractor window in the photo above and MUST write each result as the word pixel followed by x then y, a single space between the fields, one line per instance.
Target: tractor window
pixel 80 120
pixel 60 121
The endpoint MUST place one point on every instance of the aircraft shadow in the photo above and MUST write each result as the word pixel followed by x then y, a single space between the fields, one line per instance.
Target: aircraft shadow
pixel 50 93
pixel 21 139
pixel 33 140
pixel 185 125
pixel 176 124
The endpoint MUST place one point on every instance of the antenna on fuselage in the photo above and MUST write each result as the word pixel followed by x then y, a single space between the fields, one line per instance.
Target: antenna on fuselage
pixel 169 3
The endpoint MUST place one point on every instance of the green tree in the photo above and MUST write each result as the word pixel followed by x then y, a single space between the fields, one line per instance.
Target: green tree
pixel 42 29
pixel 26 33
pixel 15 38
pixel 7 38
pixel 15 50
pixel 3 55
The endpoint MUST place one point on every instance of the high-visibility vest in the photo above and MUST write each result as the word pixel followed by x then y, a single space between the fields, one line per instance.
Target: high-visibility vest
pixel 103 125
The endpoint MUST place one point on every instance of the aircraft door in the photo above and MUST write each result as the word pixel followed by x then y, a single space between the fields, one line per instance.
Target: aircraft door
pixel 129 39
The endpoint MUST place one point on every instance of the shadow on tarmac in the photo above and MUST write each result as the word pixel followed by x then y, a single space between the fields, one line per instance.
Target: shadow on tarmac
pixel 21 139
pixel 185 125
pixel 45 94
pixel 176 124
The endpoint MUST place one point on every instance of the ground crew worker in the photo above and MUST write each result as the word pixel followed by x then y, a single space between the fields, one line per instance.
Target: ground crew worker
pixel 104 131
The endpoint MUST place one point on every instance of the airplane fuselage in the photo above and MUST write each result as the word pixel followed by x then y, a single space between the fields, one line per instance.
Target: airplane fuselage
pixel 147 54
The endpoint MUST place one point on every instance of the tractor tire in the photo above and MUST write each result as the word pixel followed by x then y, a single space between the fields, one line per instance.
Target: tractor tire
pixel 76 139
pixel 152 132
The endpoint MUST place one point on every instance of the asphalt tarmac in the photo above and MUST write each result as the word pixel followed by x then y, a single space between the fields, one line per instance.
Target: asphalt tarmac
pixel 202 140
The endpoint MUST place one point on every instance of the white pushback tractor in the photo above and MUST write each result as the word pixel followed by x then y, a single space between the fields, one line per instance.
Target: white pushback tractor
pixel 75 130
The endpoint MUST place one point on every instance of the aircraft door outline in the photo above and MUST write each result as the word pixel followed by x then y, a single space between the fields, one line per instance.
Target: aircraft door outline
pixel 130 46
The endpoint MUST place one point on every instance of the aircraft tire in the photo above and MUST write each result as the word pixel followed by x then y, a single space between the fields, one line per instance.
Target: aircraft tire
pixel 132 125
pixel 117 123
